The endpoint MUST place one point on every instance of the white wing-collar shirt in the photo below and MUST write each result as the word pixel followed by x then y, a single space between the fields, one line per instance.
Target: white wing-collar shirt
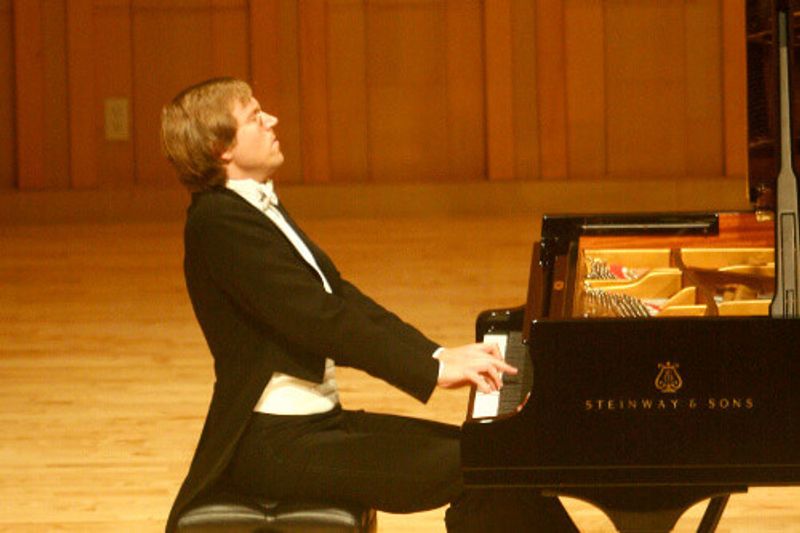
pixel 285 394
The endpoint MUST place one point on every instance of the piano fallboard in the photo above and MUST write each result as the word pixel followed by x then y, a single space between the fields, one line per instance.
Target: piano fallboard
pixel 668 402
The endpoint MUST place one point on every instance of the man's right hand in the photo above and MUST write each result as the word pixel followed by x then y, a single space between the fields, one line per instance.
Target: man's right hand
pixel 479 364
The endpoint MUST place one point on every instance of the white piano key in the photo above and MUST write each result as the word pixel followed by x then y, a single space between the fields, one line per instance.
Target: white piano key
pixel 500 339
pixel 488 404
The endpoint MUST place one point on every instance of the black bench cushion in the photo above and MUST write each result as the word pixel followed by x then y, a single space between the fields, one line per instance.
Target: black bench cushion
pixel 229 513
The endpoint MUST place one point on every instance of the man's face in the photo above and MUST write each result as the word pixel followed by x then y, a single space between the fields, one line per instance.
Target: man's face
pixel 256 153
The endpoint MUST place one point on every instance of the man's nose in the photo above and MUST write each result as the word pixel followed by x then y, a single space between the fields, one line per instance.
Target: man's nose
pixel 268 121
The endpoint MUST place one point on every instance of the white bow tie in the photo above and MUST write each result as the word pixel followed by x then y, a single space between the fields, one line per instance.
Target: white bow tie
pixel 266 194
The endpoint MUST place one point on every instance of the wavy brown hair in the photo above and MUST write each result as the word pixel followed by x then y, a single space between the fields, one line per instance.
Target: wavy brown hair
pixel 197 126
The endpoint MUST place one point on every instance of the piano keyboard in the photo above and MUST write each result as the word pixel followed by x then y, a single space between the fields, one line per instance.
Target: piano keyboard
pixel 515 388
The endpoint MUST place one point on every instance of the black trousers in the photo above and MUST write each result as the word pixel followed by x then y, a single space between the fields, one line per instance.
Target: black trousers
pixel 390 463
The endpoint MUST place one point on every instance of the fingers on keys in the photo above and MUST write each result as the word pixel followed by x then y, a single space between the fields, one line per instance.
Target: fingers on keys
pixel 490 374
pixel 493 349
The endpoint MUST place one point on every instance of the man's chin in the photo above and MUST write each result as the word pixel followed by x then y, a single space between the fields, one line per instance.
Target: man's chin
pixel 273 170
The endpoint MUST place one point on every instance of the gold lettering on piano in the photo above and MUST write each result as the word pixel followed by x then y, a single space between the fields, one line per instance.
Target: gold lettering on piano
pixel 672 404
pixel 668 380
pixel 726 404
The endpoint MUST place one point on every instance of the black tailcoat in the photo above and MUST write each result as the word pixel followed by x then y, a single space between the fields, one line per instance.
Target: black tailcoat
pixel 263 309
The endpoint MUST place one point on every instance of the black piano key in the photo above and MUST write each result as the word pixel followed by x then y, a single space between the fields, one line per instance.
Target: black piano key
pixel 515 387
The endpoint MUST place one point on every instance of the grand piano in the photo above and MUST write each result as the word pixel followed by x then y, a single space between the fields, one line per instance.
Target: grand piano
pixel 660 353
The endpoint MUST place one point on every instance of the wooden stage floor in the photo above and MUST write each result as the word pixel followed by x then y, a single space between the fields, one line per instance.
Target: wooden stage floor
pixel 105 377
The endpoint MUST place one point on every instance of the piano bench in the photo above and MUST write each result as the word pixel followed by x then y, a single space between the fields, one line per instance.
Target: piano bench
pixel 237 514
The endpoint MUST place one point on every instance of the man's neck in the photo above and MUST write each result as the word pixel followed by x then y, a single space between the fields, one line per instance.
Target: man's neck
pixel 234 172
pixel 259 179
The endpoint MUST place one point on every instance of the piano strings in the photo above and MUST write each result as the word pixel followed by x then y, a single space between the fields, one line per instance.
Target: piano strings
pixel 693 283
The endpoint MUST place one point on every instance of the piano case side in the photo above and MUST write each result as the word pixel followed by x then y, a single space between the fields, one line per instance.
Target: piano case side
pixel 636 402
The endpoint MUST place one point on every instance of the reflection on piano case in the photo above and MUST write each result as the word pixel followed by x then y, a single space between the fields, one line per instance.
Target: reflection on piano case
pixel 659 353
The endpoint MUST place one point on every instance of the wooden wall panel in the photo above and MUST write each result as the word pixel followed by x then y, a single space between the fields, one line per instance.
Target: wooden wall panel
pixel 56 98
pixel 645 88
pixel 466 152
pixel 230 38
pixel 392 90
pixel 8 164
pixel 406 106
pixel 29 93
pixel 42 122
pixel 500 82
pixel 347 91
pixel 187 29
pixel 112 58
pixel 525 136
pixel 386 90
pixel 551 96
pixel 313 36
pixel 411 122
pixel 585 86
pixel 81 108
pixel 99 68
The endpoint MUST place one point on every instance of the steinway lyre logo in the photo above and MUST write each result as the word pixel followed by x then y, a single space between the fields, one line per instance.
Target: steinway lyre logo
pixel 668 379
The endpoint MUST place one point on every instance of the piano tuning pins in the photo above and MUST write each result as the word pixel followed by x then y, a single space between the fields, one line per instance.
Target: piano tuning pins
pixel 600 303
pixel 597 268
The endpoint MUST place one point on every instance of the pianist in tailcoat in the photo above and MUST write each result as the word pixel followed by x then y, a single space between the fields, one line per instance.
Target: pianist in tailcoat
pixel 267 310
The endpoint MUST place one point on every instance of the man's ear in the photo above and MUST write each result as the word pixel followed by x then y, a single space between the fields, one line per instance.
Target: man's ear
pixel 226 155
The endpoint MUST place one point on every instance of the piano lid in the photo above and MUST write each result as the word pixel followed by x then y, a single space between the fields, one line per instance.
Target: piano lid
pixel 763 100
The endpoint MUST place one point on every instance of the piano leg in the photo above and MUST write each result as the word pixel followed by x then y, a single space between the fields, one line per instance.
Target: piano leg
pixel 652 509
pixel 713 514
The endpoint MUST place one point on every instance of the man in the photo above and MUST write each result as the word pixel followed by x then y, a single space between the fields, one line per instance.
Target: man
pixel 276 315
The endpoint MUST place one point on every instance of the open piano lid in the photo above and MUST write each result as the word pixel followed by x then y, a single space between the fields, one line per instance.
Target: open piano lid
pixel 763 96
pixel 771 42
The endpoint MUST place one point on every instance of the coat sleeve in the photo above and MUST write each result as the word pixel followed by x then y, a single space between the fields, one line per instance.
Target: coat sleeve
pixel 377 312
pixel 255 266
